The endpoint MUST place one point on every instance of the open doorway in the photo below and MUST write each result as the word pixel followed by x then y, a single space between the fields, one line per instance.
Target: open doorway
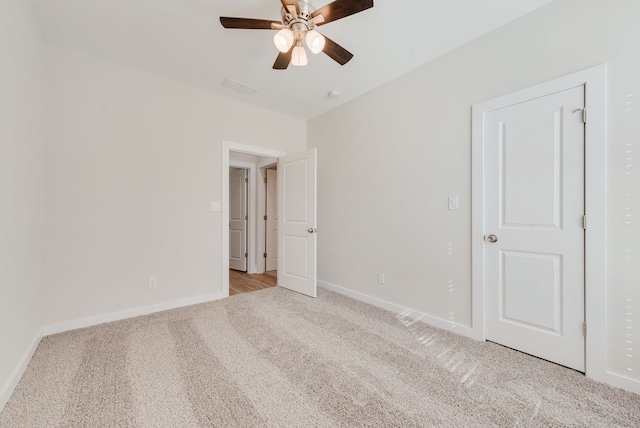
pixel 297 216
pixel 252 207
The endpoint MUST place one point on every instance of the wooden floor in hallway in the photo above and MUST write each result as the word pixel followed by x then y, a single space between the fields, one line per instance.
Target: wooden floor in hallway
pixel 241 282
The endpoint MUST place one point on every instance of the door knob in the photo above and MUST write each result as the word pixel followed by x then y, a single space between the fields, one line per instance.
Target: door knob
pixel 492 238
pixel 312 230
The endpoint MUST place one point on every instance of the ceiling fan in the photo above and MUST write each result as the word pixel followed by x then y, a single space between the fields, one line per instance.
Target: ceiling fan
pixel 298 27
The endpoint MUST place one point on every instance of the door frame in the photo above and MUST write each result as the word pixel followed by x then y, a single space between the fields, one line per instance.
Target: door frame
pixel 251 211
pixel 595 81
pixel 262 206
pixel 228 146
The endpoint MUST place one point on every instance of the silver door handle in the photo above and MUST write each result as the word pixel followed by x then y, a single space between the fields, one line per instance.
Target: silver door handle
pixel 312 230
pixel 492 239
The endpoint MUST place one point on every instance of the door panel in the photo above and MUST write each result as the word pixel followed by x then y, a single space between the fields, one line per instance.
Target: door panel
pixel 295 265
pixel 532 184
pixel 272 220
pixel 238 219
pixel 534 205
pixel 295 191
pixel 297 222
pixel 524 298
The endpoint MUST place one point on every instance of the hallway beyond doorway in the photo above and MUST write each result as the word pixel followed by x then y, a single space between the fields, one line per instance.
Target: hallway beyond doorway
pixel 240 282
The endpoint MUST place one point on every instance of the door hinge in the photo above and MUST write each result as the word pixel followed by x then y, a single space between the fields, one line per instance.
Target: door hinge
pixel 265 218
pixel 264 255
pixel 246 180
pixel 265 179
pixel 584 329
pixel 584 222
pixel 246 255
pixel 246 217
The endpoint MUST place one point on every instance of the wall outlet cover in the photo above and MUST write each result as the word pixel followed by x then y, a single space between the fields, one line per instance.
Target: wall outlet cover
pixel 153 281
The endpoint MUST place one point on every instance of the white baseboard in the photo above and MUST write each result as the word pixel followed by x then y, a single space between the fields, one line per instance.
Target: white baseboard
pixel 12 382
pixel 613 379
pixel 617 380
pixel 399 309
pixel 127 313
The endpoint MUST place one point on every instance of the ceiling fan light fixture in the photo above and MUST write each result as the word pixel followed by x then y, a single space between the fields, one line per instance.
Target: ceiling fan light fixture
pixel 296 29
pixel 283 40
pixel 315 41
pixel 299 56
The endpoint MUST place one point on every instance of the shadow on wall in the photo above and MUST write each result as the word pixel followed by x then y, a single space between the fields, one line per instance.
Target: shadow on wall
pixel 628 350
pixel 455 359
pixel 450 282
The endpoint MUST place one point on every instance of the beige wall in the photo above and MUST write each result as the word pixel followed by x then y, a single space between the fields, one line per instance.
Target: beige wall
pixel 21 187
pixel 389 159
pixel 133 161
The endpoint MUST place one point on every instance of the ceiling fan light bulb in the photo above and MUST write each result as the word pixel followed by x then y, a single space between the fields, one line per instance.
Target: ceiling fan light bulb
pixel 283 40
pixel 315 41
pixel 299 56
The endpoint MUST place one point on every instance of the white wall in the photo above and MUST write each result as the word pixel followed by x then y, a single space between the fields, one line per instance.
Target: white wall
pixel 389 159
pixel 21 188
pixel 133 162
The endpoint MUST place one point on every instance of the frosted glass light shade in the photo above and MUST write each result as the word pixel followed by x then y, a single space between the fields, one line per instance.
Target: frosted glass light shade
pixel 299 56
pixel 283 40
pixel 315 41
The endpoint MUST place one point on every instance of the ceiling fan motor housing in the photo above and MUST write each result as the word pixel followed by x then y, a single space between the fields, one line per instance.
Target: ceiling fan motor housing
pixel 306 9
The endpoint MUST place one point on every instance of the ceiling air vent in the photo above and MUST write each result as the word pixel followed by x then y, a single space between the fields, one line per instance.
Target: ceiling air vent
pixel 240 87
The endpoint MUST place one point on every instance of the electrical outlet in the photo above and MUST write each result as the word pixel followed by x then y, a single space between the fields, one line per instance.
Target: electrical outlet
pixel 380 278
pixel 153 281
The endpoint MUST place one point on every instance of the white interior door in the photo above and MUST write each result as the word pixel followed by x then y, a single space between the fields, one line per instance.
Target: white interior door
pixel 534 229
pixel 238 219
pixel 272 220
pixel 297 222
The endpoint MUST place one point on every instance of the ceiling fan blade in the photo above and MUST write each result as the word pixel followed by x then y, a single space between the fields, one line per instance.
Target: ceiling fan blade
pixel 293 3
pixel 249 23
pixel 289 4
pixel 340 9
pixel 336 52
pixel 283 59
pixel 319 19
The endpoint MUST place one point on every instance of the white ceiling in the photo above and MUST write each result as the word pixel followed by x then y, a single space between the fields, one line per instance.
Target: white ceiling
pixel 183 40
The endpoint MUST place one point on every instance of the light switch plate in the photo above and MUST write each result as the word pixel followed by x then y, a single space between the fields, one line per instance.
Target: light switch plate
pixel 453 203
pixel 215 205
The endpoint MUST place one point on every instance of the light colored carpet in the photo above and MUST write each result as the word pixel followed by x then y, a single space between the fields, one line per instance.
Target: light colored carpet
pixel 276 358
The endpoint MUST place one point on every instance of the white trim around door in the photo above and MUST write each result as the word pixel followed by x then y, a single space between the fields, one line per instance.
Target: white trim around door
pixel 262 207
pixel 251 212
pixel 227 147
pixel 594 81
